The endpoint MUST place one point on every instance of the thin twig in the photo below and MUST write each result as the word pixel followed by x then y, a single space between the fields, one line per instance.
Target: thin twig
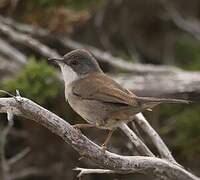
pixel 135 129
pixel 191 26
pixel 137 142
pixel 4 164
pixel 27 172
pixel 7 93
pixel 25 39
pixel 11 52
pixel 18 156
pixel 84 171
pixel 155 138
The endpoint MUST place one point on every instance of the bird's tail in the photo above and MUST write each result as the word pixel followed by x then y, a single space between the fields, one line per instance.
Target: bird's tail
pixel 162 100
pixel 150 102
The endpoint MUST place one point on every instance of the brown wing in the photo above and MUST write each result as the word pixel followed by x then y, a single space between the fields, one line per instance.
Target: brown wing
pixel 98 86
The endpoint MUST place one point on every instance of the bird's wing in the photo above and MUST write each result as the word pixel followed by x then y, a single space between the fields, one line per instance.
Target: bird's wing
pixel 100 87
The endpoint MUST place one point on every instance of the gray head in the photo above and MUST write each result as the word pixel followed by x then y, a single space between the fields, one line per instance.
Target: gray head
pixel 77 63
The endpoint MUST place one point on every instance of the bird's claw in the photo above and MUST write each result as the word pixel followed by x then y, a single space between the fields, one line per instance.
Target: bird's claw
pixel 103 148
pixel 77 128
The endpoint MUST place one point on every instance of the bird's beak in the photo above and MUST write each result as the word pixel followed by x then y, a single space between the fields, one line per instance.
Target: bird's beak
pixel 57 60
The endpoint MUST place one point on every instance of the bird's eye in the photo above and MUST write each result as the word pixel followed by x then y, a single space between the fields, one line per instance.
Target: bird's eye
pixel 74 63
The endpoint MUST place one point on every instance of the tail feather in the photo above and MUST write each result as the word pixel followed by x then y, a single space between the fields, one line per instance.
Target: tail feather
pixel 161 100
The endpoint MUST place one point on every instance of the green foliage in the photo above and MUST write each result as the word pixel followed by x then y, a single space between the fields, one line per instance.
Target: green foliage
pixel 166 110
pixel 185 128
pixel 37 81
pixel 188 53
pixel 188 131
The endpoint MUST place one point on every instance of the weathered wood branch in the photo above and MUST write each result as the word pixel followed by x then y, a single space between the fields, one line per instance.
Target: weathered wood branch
pixel 150 166
pixel 179 82
pixel 25 28
pixel 140 146
pixel 154 137
pixel 5 166
pixel 28 172
pixel 190 25
pixel 11 52
pixel 28 41
pixel 19 156
pixel 84 171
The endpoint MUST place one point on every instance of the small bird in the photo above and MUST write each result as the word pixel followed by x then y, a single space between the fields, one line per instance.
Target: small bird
pixel 98 99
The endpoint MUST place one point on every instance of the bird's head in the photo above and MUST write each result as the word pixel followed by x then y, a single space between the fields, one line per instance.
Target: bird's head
pixel 77 64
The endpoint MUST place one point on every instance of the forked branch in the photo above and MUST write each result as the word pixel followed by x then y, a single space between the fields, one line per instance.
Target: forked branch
pixel 151 166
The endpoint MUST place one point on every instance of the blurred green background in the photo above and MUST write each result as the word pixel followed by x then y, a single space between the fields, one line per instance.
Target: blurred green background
pixel 138 31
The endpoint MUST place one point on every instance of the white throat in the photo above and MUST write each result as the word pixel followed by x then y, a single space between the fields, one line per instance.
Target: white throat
pixel 69 76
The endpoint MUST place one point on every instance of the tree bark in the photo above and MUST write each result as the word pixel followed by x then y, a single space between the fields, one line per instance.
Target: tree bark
pixel 151 166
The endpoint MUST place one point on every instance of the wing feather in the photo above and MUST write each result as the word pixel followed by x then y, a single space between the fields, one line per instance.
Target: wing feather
pixel 100 87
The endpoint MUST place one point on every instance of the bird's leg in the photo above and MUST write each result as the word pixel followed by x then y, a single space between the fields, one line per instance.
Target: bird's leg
pixel 104 145
pixel 83 126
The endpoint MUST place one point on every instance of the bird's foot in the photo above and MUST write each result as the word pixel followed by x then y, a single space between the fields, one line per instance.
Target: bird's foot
pixel 103 147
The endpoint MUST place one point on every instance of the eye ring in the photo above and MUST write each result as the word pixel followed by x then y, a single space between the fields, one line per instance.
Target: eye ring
pixel 74 63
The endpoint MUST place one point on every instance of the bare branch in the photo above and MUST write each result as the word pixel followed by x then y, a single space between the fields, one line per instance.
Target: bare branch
pixel 155 138
pixel 84 171
pixel 18 156
pixel 27 172
pixel 159 84
pixel 140 146
pixel 191 26
pixel 151 166
pixel 135 129
pixel 11 52
pixel 4 164
pixel 24 28
pixel 28 41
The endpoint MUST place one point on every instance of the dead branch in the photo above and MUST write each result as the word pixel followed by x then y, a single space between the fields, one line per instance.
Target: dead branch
pixel 150 166
pixel 161 84
pixel 155 138
pixel 11 52
pixel 25 28
pixel 8 67
pixel 135 129
pixel 191 26
pixel 27 172
pixel 140 146
pixel 27 41
pixel 18 156
pixel 84 171
pixel 4 163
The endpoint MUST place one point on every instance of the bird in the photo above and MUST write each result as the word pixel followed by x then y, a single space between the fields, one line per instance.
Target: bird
pixel 97 98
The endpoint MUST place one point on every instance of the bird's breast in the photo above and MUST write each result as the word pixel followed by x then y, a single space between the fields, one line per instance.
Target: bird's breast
pixel 92 111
